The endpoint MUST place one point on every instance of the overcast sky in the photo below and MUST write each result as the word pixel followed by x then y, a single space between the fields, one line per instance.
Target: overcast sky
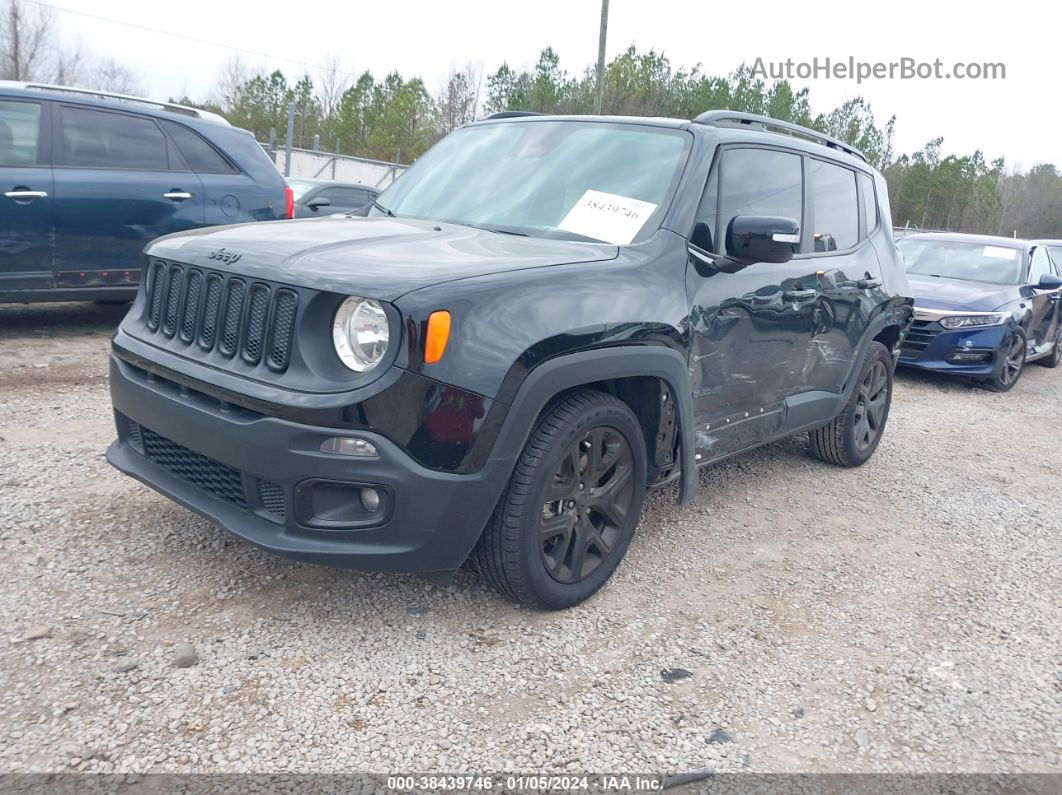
pixel 1019 117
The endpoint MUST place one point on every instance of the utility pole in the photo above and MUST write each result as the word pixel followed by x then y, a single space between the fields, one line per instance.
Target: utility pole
pixel 16 33
pixel 599 96
pixel 291 134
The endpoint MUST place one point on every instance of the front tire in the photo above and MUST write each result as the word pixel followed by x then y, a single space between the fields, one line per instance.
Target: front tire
pixel 851 438
pixel 568 514
pixel 1011 363
pixel 1055 358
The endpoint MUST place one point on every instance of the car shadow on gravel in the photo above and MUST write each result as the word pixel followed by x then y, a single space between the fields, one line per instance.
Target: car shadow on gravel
pixel 59 320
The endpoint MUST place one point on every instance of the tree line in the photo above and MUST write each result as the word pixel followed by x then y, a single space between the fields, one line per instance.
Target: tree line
pixel 396 118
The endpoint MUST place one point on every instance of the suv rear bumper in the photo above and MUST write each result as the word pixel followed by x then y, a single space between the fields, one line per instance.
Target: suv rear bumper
pixel 214 458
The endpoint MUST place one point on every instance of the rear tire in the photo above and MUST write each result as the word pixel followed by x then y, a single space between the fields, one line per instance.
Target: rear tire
pixel 851 438
pixel 568 514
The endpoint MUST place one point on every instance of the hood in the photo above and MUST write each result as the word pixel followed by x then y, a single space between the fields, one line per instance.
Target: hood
pixel 934 292
pixel 380 258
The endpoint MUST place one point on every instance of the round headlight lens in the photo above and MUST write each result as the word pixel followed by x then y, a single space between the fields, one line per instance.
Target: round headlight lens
pixel 360 333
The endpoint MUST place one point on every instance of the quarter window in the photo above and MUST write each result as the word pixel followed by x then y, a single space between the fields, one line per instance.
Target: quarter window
pixel 197 153
pixel 835 204
pixel 20 124
pixel 99 139
pixel 870 203
pixel 761 182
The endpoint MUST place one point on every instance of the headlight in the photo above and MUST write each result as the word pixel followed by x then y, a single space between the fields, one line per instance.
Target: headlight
pixel 973 321
pixel 360 333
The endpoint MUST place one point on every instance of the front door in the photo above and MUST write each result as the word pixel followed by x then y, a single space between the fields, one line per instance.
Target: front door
pixel 1044 303
pixel 115 191
pixel 26 203
pixel 752 329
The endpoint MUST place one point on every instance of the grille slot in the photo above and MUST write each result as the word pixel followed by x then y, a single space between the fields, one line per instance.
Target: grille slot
pixel 919 336
pixel 230 329
pixel 191 306
pixel 222 313
pixel 221 480
pixel 271 495
pixel 256 324
pixel 173 300
pixel 209 325
pixel 284 307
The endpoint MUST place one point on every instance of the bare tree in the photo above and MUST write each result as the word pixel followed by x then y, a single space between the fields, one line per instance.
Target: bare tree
pixel 234 73
pixel 332 84
pixel 109 75
pixel 458 99
pixel 27 38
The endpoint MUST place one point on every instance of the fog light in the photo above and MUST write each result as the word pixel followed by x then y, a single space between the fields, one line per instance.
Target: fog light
pixel 370 500
pixel 345 445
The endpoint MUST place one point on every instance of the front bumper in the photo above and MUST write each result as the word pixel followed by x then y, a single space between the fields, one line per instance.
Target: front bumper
pixel 929 346
pixel 265 480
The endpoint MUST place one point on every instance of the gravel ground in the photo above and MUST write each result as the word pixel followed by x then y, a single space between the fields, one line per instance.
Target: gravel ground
pixel 901 617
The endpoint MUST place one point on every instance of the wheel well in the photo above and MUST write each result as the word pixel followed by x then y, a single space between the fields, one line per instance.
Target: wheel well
pixel 653 403
pixel 888 337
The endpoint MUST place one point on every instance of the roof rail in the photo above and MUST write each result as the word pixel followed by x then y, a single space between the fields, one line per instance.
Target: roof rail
pixel 733 118
pixel 512 114
pixel 172 107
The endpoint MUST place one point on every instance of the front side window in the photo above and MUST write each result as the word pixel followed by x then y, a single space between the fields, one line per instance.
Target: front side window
pixel 836 206
pixel 969 261
pixel 100 139
pixel 574 180
pixel 20 124
pixel 1040 265
pixel 761 182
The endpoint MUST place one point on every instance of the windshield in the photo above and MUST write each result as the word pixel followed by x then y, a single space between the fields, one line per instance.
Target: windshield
pixel 300 187
pixel 577 180
pixel 963 260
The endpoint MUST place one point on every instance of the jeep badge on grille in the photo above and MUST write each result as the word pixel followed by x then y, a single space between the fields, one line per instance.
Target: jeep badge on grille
pixel 228 257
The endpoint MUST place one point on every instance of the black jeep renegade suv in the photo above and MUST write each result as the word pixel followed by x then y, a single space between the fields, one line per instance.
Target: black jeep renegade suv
pixel 544 317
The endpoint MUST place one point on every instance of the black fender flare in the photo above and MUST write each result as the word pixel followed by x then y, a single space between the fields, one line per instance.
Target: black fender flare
pixel 898 316
pixel 575 369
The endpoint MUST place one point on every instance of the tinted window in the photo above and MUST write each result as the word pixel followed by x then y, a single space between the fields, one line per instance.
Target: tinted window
pixel 870 203
pixel 197 153
pixel 345 197
pixel 112 140
pixel 761 182
pixel 20 123
pixel 1039 266
pixel 834 199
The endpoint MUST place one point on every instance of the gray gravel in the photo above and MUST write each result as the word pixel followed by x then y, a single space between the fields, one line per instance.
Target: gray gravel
pixel 900 617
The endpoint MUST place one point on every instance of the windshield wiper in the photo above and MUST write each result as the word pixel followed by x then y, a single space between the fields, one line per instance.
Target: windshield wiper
pixel 382 209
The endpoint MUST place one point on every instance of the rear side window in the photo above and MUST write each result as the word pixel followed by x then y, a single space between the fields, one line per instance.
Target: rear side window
pixel 197 153
pixel 835 204
pixel 346 197
pixel 20 124
pixel 870 203
pixel 99 139
pixel 761 182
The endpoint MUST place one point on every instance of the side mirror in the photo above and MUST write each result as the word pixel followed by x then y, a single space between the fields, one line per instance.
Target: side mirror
pixel 761 238
pixel 320 201
pixel 1049 282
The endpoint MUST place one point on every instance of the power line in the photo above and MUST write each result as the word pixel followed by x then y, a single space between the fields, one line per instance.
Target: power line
pixel 243 50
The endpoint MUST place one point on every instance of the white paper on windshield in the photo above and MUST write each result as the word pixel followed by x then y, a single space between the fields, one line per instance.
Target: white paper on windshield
pixel 607 216
pixel 999 252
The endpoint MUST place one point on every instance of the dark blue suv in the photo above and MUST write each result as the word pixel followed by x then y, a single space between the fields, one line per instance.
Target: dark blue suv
pixel 984 306
pixel 89 178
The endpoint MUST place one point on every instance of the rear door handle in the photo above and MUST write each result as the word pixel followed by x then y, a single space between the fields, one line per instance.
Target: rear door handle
pixel 177 195
pixel 799 295
pixel 19 195
pixel 868 284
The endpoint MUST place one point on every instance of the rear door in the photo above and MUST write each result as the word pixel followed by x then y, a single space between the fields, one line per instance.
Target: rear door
pixel 844 213
pixel 116 189
pixel 26 203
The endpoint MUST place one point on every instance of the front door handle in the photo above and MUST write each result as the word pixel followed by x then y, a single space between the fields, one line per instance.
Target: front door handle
pixel 177 195
pixel 868 284
pixel 799 295
pixel 22 195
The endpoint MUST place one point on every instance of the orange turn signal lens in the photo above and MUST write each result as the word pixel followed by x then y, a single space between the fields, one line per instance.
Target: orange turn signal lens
pixel 438 336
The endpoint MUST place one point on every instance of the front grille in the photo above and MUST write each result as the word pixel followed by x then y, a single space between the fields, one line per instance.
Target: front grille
pixel 271 495
pixel 921 333
pixel 222 313
pixel 221 480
